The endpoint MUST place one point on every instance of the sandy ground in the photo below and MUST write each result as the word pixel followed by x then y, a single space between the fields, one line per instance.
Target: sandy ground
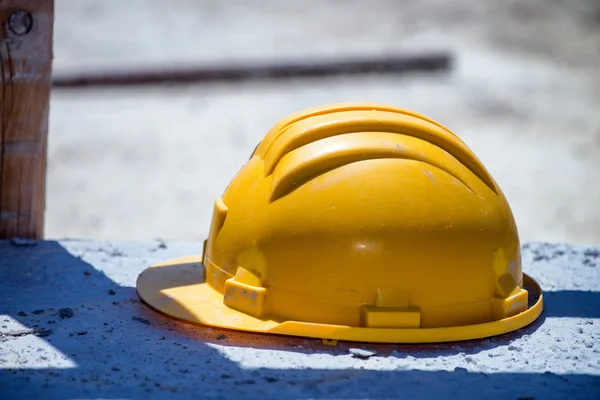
pixel 144 163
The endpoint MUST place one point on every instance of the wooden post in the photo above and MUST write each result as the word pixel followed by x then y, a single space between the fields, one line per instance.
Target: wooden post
pixel 25 71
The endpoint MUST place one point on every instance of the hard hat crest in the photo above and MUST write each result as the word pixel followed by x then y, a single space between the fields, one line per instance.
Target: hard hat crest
pixel 312 144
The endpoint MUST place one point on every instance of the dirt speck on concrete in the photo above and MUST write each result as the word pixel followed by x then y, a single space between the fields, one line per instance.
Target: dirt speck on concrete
pixel 66 312
pixel 592 253
pixel 44 332
pixel 361 353
pixel 141 320
pixel 116 253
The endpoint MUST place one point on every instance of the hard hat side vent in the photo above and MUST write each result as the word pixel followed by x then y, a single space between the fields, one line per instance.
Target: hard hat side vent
pixel 317 128
pixel 310 161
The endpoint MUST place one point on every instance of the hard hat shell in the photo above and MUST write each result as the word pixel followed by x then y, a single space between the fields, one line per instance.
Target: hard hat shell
pixel 358 222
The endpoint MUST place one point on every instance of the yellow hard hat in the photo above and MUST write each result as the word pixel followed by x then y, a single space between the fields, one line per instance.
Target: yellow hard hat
pixel 359 222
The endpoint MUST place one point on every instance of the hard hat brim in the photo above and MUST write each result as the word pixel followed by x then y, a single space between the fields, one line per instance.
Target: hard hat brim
pixel 177 289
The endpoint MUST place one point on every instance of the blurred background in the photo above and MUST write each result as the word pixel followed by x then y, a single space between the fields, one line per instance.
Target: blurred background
pixel 147 162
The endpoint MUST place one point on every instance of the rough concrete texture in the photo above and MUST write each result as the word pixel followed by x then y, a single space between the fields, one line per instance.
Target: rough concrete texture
pixel 139 164
pixel 115 347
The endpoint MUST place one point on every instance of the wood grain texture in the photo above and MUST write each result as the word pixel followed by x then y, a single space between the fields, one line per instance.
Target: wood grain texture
pixel 25 72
